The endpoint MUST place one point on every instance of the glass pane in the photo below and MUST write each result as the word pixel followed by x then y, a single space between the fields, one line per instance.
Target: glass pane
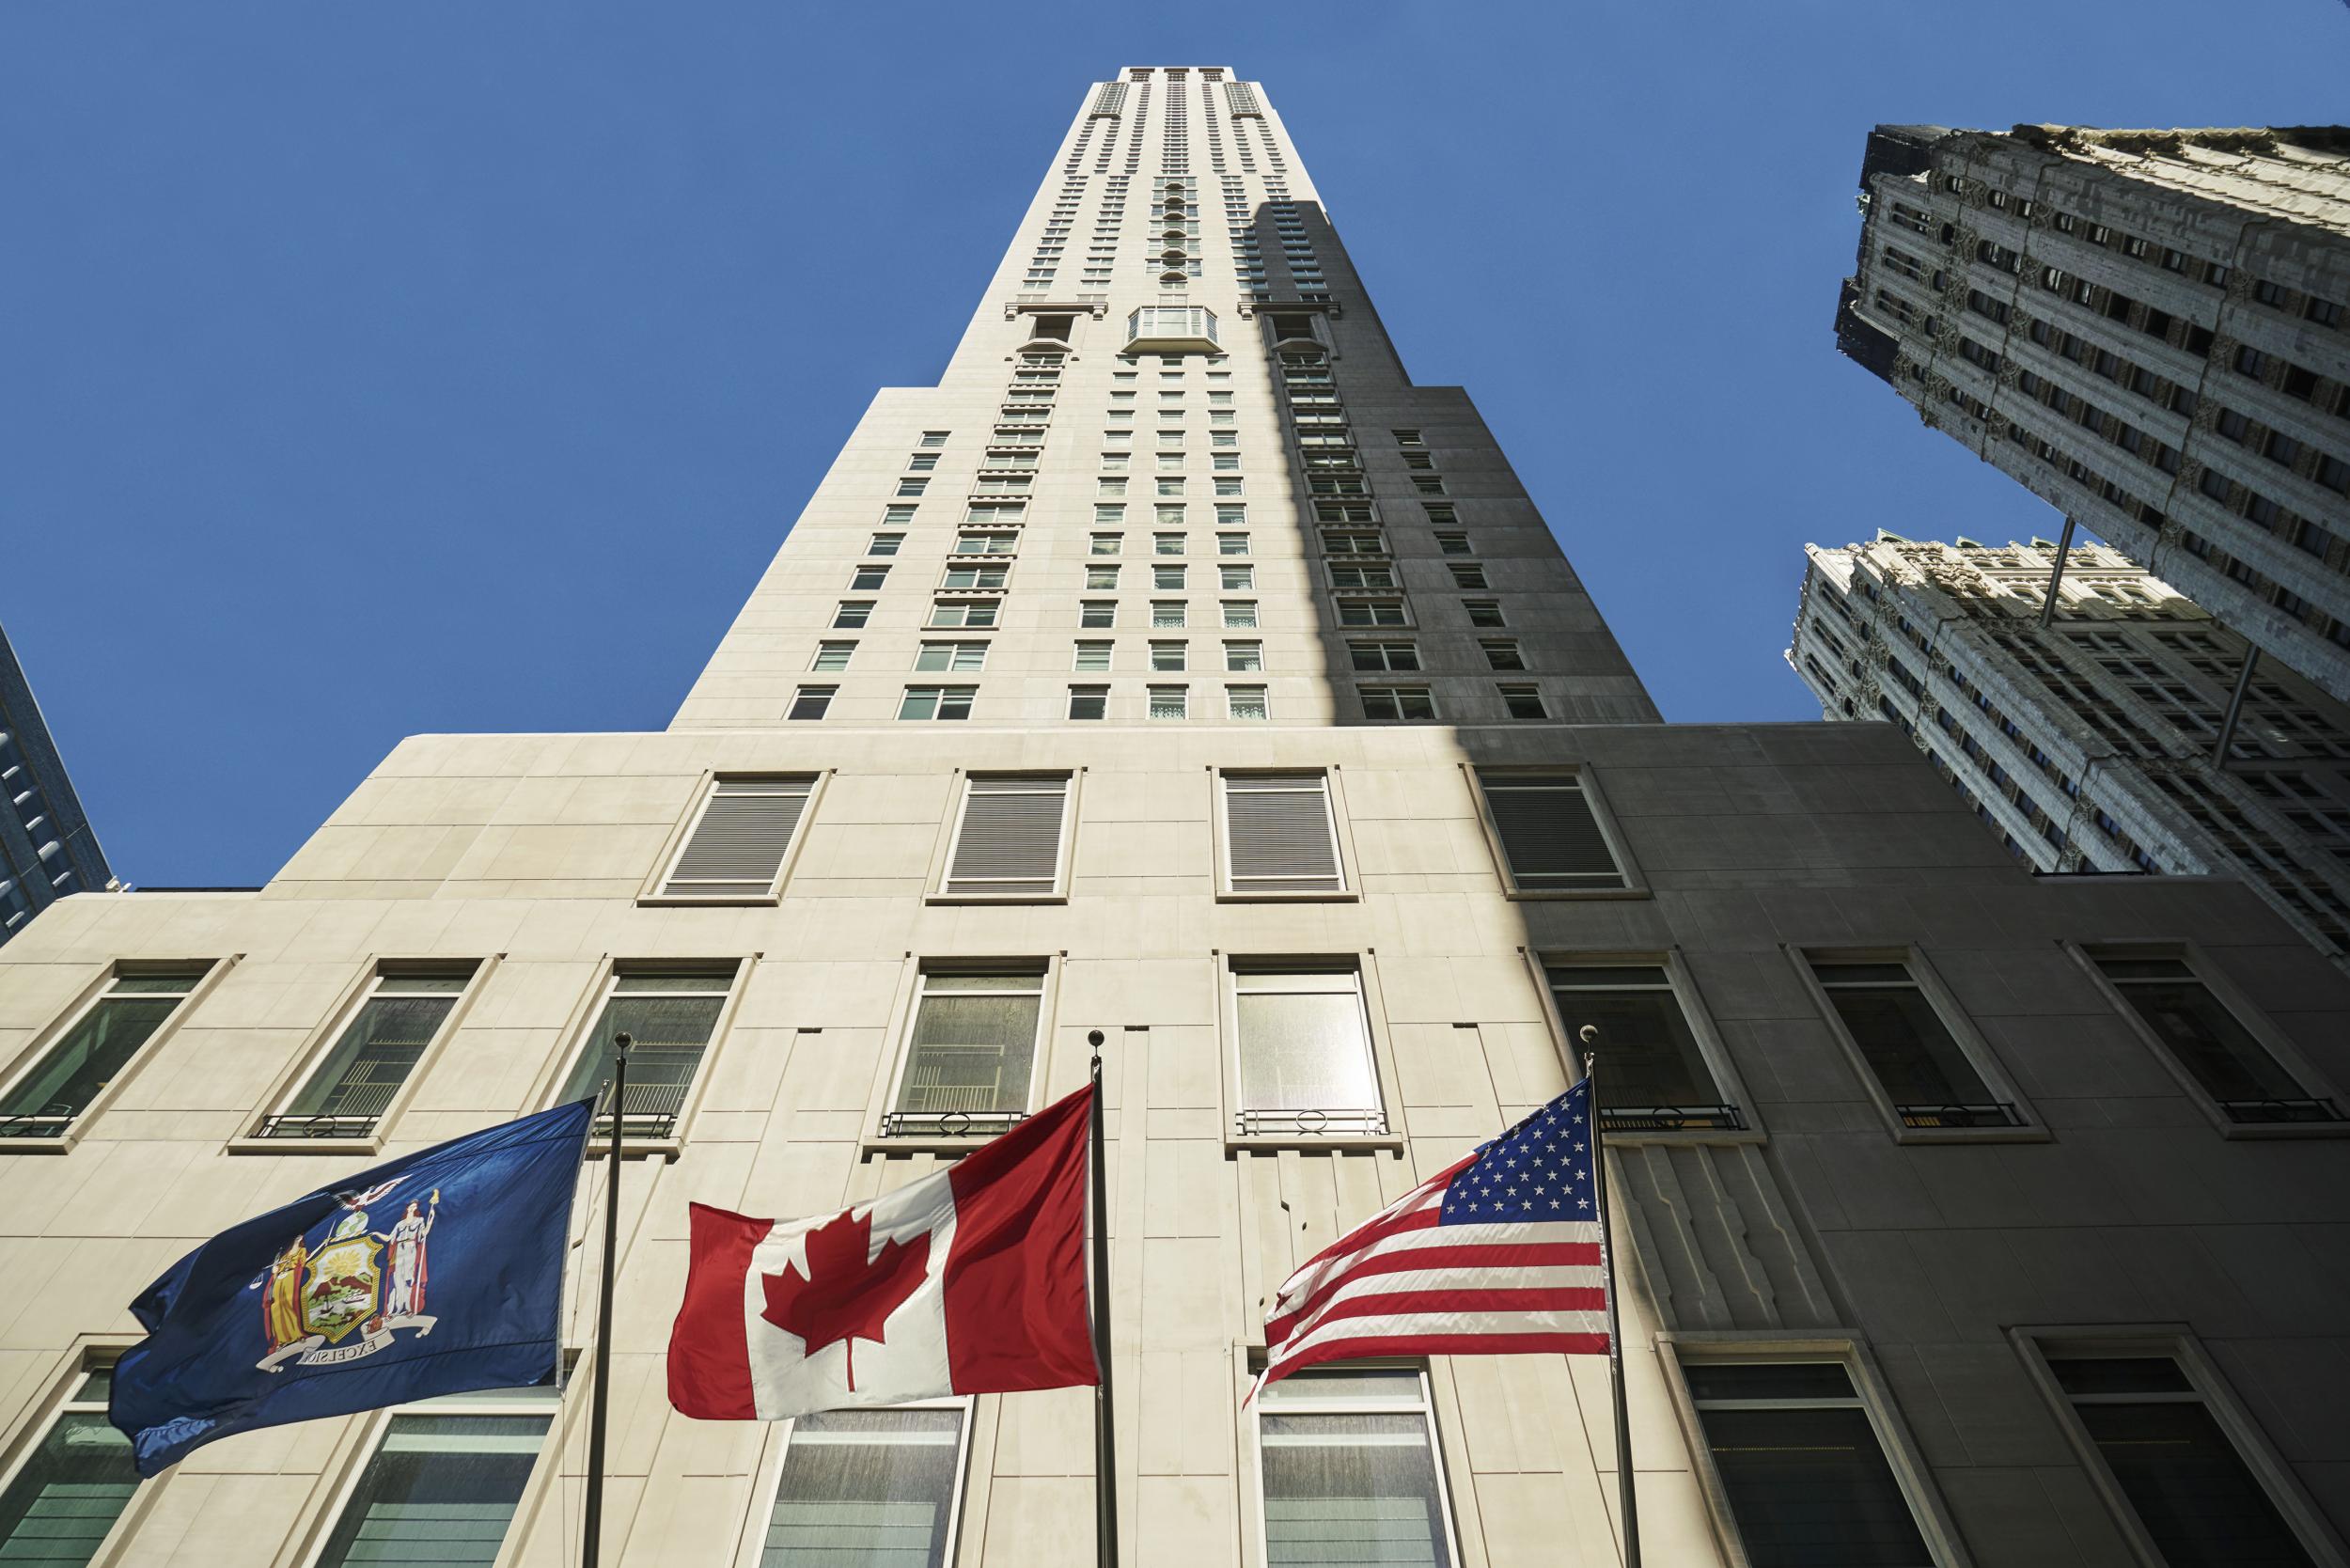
pixel 441 1490
pixel 1351 1489
pixel 1647 1056
pixel 2192 1491
pixel 2214 1048
pixel 1908 1046
pixel 709 979
pixel 69 1493
pixel 867 1487
pixel 669 1035
pixel 1804 1380
pixel 2120 1375
pixel 1304 1051
pixel 82 1064
pixel 176 982
pixel 971 1053
pixel 372 1059
pixel 1811 1489
pixel 1369 1387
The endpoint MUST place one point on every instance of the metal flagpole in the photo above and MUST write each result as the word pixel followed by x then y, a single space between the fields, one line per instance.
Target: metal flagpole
pixel 1629 1499
pixel 1105 1434
pixel 591 1545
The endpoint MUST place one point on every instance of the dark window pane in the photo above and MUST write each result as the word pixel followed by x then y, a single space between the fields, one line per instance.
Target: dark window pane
pixel 2120 1375
pixel 69 1493
pixel 1810 1488
pixel 1648 1057
pixel 372 1059
pixel 79 1067
pixel 2218 1051
pixel 441 1490
pixel 2190 1488
pixel 1906 1044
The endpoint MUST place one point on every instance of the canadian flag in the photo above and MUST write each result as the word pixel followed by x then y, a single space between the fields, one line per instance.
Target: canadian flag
pixel 971 1281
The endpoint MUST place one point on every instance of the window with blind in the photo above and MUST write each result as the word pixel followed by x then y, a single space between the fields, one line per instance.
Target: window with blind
pixel 349 1091
pixel 1348 1461
pixel 1907 1046
pixel 1303 1043
pixel 49 1095
pixel 869 1487
pixel 71 1485
pixel 971 1052
pixel 1805 1480
pixel 1279 834
pixel 670 1016
pixel 1007 840
pixel 2195 1495
pixel 2210 1043
pixel 1551 839
pixel 1652 1075
pixel 740 839
pixel 441 1488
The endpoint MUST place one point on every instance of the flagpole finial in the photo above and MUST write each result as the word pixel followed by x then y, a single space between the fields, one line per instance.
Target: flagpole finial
pixel 1094 1039
pixel 623 1041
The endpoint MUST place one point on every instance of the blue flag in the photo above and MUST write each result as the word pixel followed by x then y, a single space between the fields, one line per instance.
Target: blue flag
pixel 433 1273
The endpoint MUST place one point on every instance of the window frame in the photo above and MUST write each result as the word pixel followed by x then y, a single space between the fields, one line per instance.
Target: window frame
pixel 2246 1011
pixel 1238 1134
pixel 1712 1050
pixel 875 1135
pixel 2036 1343
pixel 1342 836
pixel 1610 831
pixel 86 1001
pixel 1953 1014
pixel 602 988
pixel 1678 1349
pixel 950 838
pixel 362 1443
pixel 1253 1533
pixel 321 1042
pixel 673 848
pixel 21 1437
pixel 776 1449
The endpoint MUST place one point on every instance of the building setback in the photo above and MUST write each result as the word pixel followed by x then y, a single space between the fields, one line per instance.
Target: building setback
pixel 47 847
pixel 2150 330
pixel 2090 744
pixel 1948 1195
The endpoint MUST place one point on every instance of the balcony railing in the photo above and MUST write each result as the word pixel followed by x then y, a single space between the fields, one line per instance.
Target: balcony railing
pixel 2282 1110
pixel 1671 1119
pixel 323 1124
pixel 1357 1123
pixel 1994 1113
pixel 956 1123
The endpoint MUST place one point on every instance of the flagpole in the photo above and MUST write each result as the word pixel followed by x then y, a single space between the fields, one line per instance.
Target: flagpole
pixel 1627 1494
pixel 1104 1433
pixel 600 1406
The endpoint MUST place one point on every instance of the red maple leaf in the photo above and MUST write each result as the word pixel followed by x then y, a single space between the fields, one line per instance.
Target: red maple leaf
pixel 851 1292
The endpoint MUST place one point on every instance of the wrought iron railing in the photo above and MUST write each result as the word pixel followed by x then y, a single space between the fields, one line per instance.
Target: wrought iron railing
pixel 1992 1113
pixel 1356 1123
pixel 1671 1119
pixel 953 1124
pixel 2282 1110
pixel 320 1125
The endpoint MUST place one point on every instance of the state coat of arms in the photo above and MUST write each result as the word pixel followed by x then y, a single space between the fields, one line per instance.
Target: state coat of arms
pixel 353 1279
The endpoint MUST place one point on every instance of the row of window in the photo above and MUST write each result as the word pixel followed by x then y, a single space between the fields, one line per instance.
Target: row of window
pixel 1806 1455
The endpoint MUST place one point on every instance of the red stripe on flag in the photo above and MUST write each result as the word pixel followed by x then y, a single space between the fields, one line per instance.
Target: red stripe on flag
pixel 1445 1344
pixel 1557 1298
pixel 1015 1274
pixel 710 1352
pixel 1414 1260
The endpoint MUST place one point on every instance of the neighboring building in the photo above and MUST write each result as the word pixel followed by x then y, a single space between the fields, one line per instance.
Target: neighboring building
pixel 47 848
pixel 2091 745
pixel 1965 1216
pixel 2151 330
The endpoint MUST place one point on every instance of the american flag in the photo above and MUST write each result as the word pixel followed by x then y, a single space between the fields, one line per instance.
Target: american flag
pixel 1497 1255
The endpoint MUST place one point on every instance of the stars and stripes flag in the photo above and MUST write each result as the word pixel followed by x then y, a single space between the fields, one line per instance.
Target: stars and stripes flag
pixel 1499 1254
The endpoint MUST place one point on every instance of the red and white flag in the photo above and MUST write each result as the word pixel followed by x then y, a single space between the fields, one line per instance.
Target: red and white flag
pixel 971 1281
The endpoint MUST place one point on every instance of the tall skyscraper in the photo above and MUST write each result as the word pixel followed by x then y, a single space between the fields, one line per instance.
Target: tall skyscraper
pixel 2148 329
pixel 1179 669
pixel 47 846
pixel 2092 743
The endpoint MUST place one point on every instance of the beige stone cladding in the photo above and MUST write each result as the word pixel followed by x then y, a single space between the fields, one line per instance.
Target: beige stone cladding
pixel 2148 329
pixel 1816 1225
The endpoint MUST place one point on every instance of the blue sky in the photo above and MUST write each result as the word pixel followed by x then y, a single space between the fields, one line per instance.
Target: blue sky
pixel 375 369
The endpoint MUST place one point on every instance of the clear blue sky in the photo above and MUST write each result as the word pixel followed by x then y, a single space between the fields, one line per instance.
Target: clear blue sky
pixel 375 369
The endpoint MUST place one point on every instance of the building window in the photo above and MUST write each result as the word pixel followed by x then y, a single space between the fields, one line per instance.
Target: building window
pixel 1349 1471
pixel 870 1486
pixel 670 1015
pixel 1483 612
pixel 869 578
pixel 1106 545
pixel 1280 834
pixel 1231 544
pixel 1800 1465
pixel 2209 1043
pixel 960 657
pixel 851 615
pixel 1170 702
pixel 1383 656
pixel 832 657
pixel 811 702
pixel 972 1050
pixel 738 843
pixel 1240 612
pixel 74 1483
pixel 911 487
pixel 1167 613
pixel 936 703
pixel 1550 834
pixel 1245 702
pixel 1908 1047
pixel 1167 655
pixel 1372 612
pixel 934 438
pixel 1244 655
pixel 2195 1495
pixel 1398 703
pixel 1167 576
pixel 92 1052
pixel 1303 1043
pixel 885 545
pixel 1243 577
pixel 1524 702
pixel 1093 656
pixel 1469 576
pixel 1652 1075
pixel 349 1091
pixel 1502 655
pixel 444 1482
pixel 1088 702
pixel 1100 578
pixel 1097 612
pixel 1008 844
